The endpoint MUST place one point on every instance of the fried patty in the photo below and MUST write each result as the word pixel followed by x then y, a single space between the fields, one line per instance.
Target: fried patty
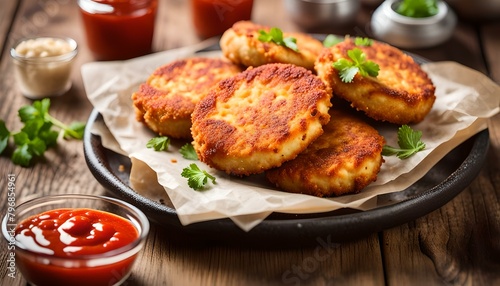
pixel 402 93
pixel 260 118
pixel 344 160
pixel 241 45
pixel 164 103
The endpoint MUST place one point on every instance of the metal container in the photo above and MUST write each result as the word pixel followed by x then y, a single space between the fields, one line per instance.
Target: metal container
pixel 322 13
pixel 407 32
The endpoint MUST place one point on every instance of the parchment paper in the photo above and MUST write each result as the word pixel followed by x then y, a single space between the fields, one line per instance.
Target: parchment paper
pixel 465 99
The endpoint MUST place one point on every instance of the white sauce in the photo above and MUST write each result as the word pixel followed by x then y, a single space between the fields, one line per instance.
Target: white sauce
pixel 43 66
pixel 43 47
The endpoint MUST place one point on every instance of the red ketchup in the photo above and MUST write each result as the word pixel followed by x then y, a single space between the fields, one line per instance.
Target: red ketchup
pixel 70 234
pixel 119 29
pixel 213 17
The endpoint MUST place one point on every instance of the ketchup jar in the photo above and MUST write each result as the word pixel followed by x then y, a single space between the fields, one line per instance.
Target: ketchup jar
pixel 213 17
pixel 119 29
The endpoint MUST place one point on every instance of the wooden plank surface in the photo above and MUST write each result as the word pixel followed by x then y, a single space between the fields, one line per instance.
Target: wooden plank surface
pixel 7 13
pixel 356 263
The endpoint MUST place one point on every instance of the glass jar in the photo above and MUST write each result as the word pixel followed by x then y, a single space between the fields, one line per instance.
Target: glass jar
pixel 42 66
pixel 119 29
pixel 213 17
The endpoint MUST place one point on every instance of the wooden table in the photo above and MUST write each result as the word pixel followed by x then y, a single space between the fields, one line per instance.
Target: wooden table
pixel 456 244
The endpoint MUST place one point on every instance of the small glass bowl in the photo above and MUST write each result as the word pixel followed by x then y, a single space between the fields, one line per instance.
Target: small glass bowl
pixel 407 32
pixel 41 75
pixel 108 268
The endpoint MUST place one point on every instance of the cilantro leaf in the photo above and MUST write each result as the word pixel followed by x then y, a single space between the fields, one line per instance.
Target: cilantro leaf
pixel 360 41
pixel 38 110
pixel 32 127
pixel 188 152
pixel 417 8
pixel 291 43
pixel 357 64
pixel 48 135
pixel 409 142
pixel 37 134
pixel 22 156
pixel 196 178
pixel 160 143
pixel 276 35
pixel 266 36
pixel 21 138
pixel 348 70
pixel 27 113
pixel 332 40
pixel 75 130
pixel 369 68
pixel 348 73
pixel 36 146
pixel 4 136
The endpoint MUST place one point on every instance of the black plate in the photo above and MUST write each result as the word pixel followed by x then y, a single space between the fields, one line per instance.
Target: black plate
pixel 443 182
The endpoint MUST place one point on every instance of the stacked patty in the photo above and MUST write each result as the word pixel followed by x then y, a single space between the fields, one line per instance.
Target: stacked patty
pixel 241 45
pixel 260 118
pixel 276 116
pixel 166 100
pixel 402 93
pixel 345 159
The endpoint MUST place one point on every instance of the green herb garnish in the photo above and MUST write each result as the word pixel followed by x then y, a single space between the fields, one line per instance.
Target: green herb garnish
pixel 409 142
pixel 196 178
pixel 417 8
pixel 37 134
pixel 357 63
pixel 332 40
pixel 360 41
pixel 159 143
pixel 188 152
pixel 276 35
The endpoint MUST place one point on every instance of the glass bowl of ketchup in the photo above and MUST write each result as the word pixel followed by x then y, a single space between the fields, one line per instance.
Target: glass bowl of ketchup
pixel 118 29
pixel 74 239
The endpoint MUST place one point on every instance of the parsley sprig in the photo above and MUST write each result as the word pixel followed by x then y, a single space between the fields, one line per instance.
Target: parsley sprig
pixel 188 152
pixel 160 143
pixel 356 63
pixel 409 142
pixel 331 40
pixel 361 41
pixel 276 35
pixel 417 8
pixel 38 133
pixel 196 178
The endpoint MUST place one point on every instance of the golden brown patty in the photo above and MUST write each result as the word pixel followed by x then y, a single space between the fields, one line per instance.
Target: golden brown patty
pixel 345 159
pixel 402 93
pixel 260 118
pixel 241 45
pixel 165 102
